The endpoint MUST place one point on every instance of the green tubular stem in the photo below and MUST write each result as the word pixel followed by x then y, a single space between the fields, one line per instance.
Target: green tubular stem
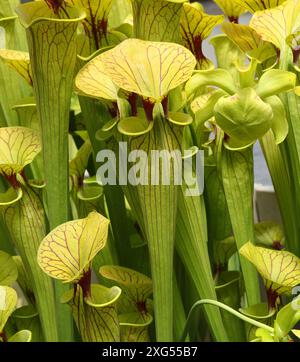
pixel 25 222
pixel 159 207
pixel 226 308
pixel 282 184
pixel 191 245
pixel 237 176
pixel 52 48
pixel 291 145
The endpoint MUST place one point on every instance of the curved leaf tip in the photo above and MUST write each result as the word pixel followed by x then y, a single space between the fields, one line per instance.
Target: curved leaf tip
pixel 150 69
pixel 68 249
pixel 18 147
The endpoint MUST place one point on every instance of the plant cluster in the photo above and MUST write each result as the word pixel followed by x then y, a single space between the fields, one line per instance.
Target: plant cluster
pixel 83 259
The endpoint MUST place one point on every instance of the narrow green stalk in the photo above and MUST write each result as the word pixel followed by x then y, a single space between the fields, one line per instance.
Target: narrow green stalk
pixel 191 245
pixel 282 185
pixel 179 312
pixel 226 308
pixel 237 176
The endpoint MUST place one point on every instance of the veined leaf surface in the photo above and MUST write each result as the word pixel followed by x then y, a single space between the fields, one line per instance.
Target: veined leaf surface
pixel 275 25
pixel 18 148
pixel 96 318
pixel 69 248
pixel 280 269
pixel 248 40
pixel 157 20
pixel 150 69
pixel 255 5
pixel 195 26
pixel 231 8
pixel 19 61
pixel 137 286
pixel 93 81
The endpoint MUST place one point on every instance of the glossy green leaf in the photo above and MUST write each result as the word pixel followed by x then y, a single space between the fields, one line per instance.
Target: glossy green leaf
pixel 18 147
pixel 8 269
pixel 137 72
pixel 68 249
pixel 280 269
pixel 8 302
pixel 275 81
